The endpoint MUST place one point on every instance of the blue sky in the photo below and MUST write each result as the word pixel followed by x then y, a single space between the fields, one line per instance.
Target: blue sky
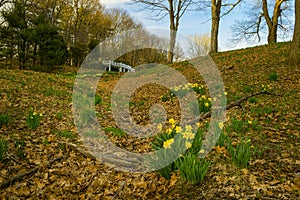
pixel 191 23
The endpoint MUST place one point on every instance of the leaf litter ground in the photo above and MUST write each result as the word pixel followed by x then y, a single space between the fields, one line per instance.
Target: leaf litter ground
pixel 61 168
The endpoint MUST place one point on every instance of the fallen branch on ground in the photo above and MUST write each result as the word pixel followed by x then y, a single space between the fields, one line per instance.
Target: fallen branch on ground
pixel 234 104
pixel 80 151
pixel 27 173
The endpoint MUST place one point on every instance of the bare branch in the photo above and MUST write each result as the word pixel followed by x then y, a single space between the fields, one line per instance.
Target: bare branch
pixel 232 7
pixel 266 13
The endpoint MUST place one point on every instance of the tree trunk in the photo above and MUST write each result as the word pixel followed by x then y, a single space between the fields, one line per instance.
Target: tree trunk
pixel 272 36
pixel 171 46
pixel 215 13
pixel 295 46
pixel 272 23
pixel 173 32
pixel 34 54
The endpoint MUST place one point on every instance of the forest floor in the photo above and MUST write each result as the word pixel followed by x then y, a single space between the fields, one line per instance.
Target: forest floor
pixel 51 162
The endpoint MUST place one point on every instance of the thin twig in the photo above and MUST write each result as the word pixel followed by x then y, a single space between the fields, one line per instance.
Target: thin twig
pixel 121 188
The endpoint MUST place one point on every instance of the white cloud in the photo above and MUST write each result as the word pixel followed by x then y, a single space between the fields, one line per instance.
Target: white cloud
pixel 113 2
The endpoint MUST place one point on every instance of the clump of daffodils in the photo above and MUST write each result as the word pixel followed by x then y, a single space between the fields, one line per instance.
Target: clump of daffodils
pixel 187 134
pixel 33 119
pixel 266 87
pixel 167 144
pixel 182 90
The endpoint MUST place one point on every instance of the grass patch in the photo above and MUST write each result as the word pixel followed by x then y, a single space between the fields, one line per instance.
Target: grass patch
pixel 19 145
pixel 98 99
pixel 241 153
pixel 66 134
pixel 253 100
pixel 193 169
pixel 3 148
pixel 4 118
pixel 238 126
pixel 33 119
pixel 115 131
pixel 59 116
pixel 273 76
pixel 247 89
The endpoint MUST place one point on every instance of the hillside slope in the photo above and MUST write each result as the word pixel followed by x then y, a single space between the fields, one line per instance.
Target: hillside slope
pixel 50 162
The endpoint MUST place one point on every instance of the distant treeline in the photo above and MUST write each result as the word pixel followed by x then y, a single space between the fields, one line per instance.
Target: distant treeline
pixel 51 33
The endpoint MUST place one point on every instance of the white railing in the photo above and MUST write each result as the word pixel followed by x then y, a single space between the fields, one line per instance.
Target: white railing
pixel 122 67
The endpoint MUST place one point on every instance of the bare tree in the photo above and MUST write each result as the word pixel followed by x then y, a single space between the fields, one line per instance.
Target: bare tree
pixel 260 17
pixel 122 21
pixel 174 9
pixel 199 45
pixel 295 47
pixel 216 15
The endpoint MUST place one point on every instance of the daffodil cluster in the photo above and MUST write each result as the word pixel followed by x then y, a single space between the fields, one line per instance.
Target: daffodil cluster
pixel 204 104
pixel 33 119
pixel 182 90
pixel 266 87
pixel 185 142
pixel 187 134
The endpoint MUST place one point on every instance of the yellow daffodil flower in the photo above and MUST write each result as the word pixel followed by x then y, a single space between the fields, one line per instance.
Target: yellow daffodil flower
pixel 169 131
pixel 188 135
pixel 172 121
pixel 188 145
pixel 159 126
pixel 178 129
pixel 188 128
pixel 167 144
pixel 221 125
